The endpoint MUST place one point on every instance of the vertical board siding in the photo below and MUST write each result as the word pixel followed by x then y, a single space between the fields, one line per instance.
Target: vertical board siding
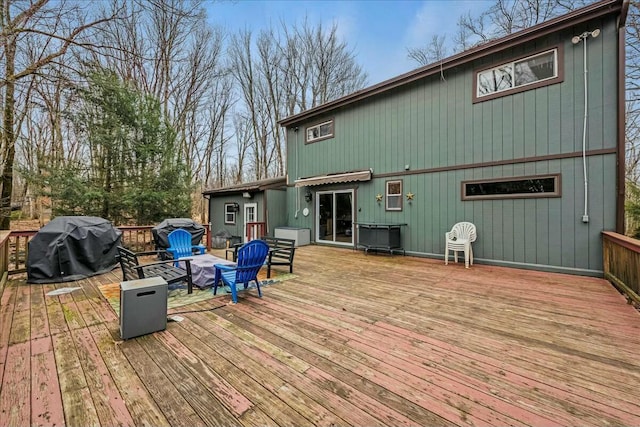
pixel 433 123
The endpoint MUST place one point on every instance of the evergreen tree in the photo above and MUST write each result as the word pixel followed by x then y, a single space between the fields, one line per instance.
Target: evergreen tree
pixel 130 172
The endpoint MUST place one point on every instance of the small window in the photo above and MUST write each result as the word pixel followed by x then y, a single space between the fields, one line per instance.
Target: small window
pixel 320 131
pixel 526 73
pixel 512 188
pixel 230 213
pixel 394 196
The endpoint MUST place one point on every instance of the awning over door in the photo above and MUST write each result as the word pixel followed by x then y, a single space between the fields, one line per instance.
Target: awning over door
pixel 334 178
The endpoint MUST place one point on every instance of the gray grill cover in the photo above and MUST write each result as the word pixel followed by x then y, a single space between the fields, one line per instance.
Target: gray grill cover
pixel 71 248
pixel 161 231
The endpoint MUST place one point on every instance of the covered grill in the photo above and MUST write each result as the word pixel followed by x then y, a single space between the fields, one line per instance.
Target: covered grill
pixel 161 231
pixel 72 248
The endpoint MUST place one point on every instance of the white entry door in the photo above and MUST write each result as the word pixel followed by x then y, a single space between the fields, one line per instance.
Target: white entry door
pixel 250 215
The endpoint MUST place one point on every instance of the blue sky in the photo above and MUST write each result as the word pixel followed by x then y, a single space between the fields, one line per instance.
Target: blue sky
pixel 378 31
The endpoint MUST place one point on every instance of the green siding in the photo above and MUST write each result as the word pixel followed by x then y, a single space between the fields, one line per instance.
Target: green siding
pixel 433 123
pixel 276 209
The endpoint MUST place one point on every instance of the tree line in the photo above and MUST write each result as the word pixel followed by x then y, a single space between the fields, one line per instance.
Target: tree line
pixel 106 105
pixel 130 108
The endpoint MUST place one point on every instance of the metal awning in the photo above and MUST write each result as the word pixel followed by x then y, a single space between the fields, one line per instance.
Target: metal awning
pixel 334 178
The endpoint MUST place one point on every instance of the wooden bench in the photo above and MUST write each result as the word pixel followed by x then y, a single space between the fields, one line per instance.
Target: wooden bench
pixel 281 252
pixel 133 270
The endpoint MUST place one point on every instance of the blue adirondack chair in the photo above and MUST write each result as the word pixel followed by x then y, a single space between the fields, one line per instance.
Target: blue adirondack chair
pixel 251 257
pixel 180 245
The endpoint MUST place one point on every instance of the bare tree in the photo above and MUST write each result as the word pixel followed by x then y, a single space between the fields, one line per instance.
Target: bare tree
pixel 283 72
pixel 434 51
pixel 633 92
pixel 632 136
pixel 509 16
pixel 166 48
pixel 53 29
pixel 502 18
pixel 332 66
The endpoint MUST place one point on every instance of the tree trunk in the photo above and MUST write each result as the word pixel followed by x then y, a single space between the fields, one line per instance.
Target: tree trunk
pixel 8 135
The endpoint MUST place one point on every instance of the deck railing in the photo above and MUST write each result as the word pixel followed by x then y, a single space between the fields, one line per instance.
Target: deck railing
pixel 14 245
pixel 4 257
pixel 621 258
pixel 256 230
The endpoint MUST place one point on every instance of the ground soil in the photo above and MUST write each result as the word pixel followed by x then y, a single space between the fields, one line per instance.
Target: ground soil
pixel 25 224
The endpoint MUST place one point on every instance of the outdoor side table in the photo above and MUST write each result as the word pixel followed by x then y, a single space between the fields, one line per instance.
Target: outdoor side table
pixel 203 270
pixel 143 306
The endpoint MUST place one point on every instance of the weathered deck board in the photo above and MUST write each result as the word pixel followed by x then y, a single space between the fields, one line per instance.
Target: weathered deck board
pixel 7 308
pixel 46 404
pixel 309 394
pixel 324 361
pixel 353 339
pixel 393 351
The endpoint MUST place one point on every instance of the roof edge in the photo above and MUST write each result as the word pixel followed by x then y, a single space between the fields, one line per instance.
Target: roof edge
pixel 601 8
pixel 264 184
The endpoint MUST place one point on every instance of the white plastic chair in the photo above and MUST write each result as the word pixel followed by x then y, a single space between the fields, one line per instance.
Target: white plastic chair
pixel 459 239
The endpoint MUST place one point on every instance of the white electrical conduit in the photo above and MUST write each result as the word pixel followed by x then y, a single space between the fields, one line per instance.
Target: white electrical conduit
pixel 297 174
pixel 585 216
pixel 575 40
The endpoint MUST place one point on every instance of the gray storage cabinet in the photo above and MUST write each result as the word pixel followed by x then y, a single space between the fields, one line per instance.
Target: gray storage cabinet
pixel 143 306
pixel 302 236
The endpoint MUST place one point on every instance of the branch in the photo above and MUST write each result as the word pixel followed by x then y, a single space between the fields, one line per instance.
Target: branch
pixel 68 41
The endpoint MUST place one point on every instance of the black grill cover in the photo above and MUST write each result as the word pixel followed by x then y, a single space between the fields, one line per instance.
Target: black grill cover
pixel 71 248
pixel 161 231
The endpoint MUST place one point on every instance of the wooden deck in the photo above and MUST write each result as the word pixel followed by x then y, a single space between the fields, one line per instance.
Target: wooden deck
pixel 354 339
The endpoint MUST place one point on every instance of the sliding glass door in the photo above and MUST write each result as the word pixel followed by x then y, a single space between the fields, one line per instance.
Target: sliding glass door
pixel 334 220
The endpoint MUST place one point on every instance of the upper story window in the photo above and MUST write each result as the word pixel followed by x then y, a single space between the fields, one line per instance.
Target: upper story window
pixel 320 131
pixel 230 211
pixel 512 188
pixel 393 195
pixel 522 74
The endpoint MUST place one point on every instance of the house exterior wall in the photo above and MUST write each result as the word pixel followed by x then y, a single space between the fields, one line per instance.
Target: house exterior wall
pixel 433 127
pixel 276 209
pixel 216 206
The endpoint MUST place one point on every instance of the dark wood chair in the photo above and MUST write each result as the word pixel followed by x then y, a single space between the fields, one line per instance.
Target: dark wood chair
pixel 281 252
pixel 133 270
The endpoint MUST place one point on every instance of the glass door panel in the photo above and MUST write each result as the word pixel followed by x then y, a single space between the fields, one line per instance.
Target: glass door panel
pixel 325 216
pixel 335 217
pixel 344 217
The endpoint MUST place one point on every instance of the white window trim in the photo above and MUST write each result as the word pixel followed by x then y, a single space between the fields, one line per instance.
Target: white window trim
pixel 227 212
pixel 319 125
pixel 387 195
pixel 513 68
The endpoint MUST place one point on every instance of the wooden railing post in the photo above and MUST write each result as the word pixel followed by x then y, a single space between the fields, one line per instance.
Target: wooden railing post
pixel 621 261
pixel 4 258
pixel 255 230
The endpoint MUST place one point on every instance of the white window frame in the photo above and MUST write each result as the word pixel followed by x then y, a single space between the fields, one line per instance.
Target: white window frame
pixel 229 209
pixel 388 195
pixel 319 127
pixel 512 66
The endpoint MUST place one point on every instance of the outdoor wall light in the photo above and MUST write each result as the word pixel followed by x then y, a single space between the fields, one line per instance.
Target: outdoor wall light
pixel 246 195
pixel 308 196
